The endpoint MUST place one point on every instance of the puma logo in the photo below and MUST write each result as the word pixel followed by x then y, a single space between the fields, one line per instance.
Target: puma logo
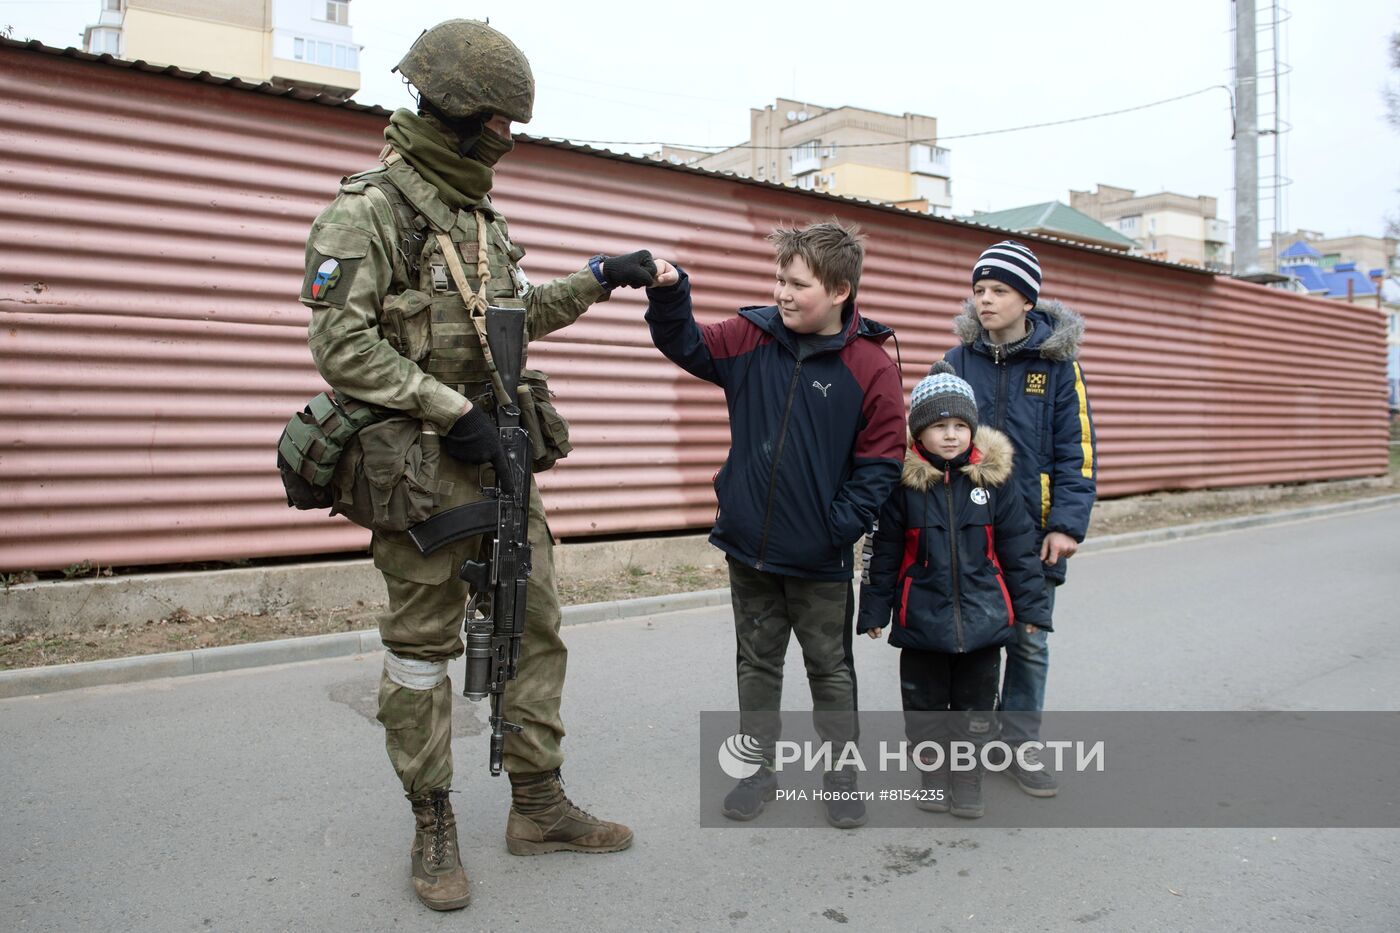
pixel 818 385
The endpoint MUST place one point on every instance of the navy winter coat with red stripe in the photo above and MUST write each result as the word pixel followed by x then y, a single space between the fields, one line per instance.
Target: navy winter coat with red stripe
pixel 815 443
pixel 954 560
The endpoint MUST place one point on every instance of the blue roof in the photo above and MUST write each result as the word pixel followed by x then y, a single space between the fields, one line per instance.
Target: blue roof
pixel 1333 283
pixel 1298 250
pixel 1311 277
pixel 1337 282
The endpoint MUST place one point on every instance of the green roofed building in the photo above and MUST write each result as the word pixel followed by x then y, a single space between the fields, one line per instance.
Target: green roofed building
pixel 1055 219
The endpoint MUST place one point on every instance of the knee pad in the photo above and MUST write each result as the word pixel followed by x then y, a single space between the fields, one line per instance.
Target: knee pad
pixel 412 673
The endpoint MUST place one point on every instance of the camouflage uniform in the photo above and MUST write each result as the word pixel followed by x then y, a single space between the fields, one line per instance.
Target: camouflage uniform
pixel 409 346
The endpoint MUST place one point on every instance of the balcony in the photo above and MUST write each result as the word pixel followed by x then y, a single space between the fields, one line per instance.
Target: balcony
pixel 804 161
pixel 930 160
pixel 1217 231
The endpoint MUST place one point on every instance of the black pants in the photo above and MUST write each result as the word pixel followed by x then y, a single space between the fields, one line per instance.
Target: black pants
pixel 934 686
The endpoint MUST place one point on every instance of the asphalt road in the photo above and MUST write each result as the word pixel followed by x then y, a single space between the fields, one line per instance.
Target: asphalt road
pixel 262 799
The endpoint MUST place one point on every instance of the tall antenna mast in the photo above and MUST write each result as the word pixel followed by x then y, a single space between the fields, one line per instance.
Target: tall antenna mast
pixel 1246 142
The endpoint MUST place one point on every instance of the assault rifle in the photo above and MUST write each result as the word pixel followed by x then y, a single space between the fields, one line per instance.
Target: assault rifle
pixel 498 581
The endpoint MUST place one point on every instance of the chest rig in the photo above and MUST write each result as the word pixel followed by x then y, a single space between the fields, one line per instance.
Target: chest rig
pixel 441 278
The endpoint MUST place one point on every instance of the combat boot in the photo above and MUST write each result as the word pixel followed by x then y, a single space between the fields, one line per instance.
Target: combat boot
pixel 439 879
pixel 542 819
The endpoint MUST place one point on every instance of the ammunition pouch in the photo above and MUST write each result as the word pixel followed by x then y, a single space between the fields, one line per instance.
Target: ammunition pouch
pixel 312 444
pixel 387 477
pixel 549 432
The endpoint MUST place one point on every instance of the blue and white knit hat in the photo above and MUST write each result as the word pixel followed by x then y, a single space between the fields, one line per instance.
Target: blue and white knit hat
pixel 941 394
pixel 1012 263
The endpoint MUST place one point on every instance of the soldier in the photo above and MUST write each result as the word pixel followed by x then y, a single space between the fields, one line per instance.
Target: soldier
pixel 391 326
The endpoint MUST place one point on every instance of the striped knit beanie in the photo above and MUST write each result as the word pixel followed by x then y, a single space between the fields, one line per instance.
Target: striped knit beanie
pixel 941 394
pixel 1012 263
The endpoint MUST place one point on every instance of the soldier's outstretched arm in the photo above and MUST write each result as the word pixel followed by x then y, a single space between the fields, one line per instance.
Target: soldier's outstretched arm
pixel 559 303
pixel 348 270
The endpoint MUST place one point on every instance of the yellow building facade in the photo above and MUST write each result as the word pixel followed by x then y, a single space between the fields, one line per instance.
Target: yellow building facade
pixel 307 44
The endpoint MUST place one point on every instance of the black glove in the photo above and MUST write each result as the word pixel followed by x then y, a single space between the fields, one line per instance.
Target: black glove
pixel 474 438
pixel 634 270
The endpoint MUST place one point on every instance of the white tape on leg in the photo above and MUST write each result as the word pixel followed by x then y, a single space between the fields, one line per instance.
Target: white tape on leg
pixel 414 674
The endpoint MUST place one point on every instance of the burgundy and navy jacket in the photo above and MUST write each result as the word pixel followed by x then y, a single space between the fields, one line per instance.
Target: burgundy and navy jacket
pixel 816 432
pixel 955 563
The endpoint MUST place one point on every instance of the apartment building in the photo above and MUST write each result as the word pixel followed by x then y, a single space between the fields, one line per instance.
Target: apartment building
pixel 1170 226
pixel 306 44
pixel 883 157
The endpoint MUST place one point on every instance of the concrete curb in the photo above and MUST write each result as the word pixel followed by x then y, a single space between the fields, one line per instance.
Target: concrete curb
pixel 38 680
pixel 1176 532
pixel 92 602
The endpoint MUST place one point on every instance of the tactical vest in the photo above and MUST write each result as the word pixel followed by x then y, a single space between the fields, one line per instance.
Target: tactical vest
pixel 426 318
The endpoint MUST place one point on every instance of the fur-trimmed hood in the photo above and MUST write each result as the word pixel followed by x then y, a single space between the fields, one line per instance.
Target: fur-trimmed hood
pixel 1057 334
pixel 990 464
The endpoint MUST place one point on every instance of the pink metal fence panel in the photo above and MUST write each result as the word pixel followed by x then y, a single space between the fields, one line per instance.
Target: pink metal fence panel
pixel 152 227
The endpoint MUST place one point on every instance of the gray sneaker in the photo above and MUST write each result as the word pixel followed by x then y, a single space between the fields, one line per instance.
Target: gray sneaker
pixel 1037 783
pixel 750 796
pixel 848 812
pixel 934 790
pixel 965 793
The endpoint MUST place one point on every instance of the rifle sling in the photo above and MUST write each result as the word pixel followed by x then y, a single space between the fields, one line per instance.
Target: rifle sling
pixel 476 301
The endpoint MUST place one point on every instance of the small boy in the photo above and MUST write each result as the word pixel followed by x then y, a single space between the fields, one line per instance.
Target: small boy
pixel 1020 356
pixel 816 421
pixel 954 558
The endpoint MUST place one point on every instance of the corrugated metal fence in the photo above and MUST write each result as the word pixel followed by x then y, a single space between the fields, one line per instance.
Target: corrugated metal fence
pixel 152 227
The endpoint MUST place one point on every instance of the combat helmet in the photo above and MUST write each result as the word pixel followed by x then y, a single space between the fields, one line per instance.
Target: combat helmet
pixel 464 67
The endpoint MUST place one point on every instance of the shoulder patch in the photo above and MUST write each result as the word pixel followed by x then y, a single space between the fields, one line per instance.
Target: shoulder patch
pixel 332 258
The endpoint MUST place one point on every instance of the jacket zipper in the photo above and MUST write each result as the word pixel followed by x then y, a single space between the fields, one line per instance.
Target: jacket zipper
pixel 777 456
pixel 1001 393
pixel 953 551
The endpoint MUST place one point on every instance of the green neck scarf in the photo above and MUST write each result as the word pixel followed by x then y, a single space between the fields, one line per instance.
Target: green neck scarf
pixel 460 182
pixel 490 148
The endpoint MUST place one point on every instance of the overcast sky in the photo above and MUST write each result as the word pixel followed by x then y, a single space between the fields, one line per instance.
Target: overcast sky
pixel 655 72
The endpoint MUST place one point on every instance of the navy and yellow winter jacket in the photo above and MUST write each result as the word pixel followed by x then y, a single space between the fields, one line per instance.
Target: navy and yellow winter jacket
pixel 815 442
pixel 954 559
pixel 1037 396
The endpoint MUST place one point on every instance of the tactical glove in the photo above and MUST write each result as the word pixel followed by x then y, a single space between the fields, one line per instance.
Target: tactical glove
pixel 634 270
pixel 474 438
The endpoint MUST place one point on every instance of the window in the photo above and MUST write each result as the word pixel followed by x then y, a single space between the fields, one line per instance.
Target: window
pixel 330 54
pixel 807 150
pixel 114 5
pixel 105 42
pixel 1128 225
pixel 338 11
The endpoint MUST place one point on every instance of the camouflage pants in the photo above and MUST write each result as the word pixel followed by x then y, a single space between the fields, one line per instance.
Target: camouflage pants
pixel 768 609
pixel 424 623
